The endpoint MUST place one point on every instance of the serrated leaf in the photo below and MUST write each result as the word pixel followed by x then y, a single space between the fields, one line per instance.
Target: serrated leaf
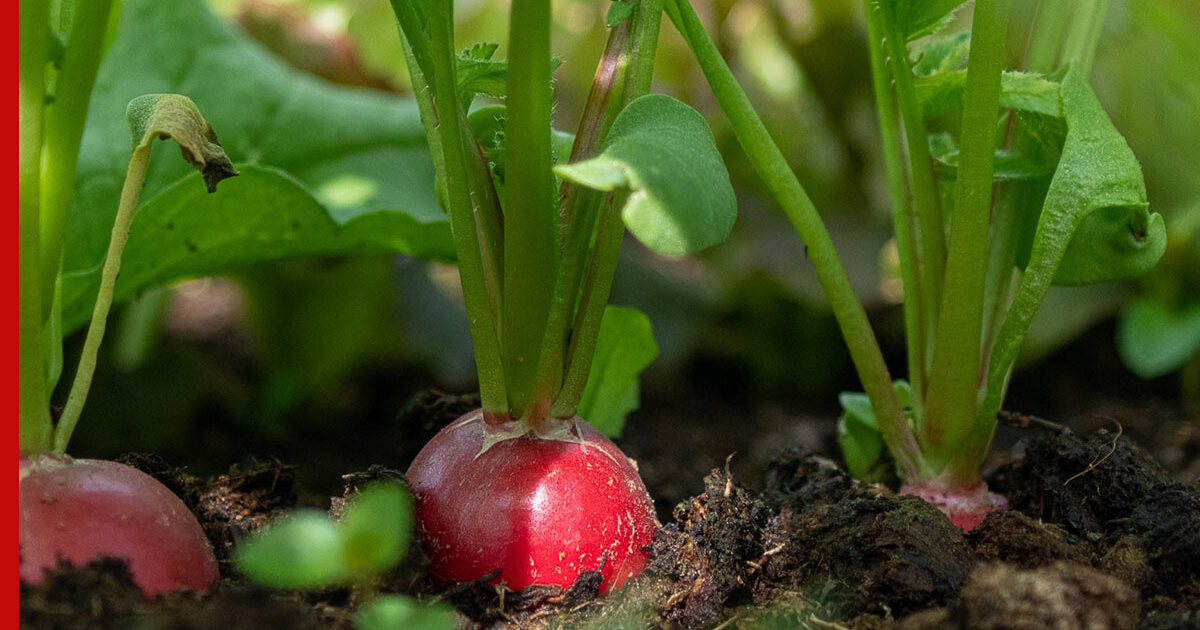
pixel 1154 339
pixel 377 527
pixel 390 612
pixel 478 73
pixel 624 348
pixel 918 18
pixel 662 152
pixel 941 94
pixel 942 54
pixel 303 551
pixel 350 154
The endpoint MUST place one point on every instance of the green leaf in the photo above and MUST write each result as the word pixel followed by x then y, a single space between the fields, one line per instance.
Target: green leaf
pixel 1007 165
pixel 662 152
pixel 303 551
pixel 478 73
pixel 377 527
pixel 390 612
pixel 918 18
pixel 941 94
pixel 351 155
pixel 942 54
pixel 625 347
pixel 1154 339
pixel 263 214
pixel 1096 175
pixel 487 125
pixel 859 436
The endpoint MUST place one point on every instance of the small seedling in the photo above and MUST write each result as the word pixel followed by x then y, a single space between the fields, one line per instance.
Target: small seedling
pixel 1001 183
pixel 80 509
pixel 524 485
pixel 309 551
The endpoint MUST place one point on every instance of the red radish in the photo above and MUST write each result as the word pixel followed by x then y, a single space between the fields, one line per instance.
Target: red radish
pixel 542 511
pixel 80 509
pixel 966 507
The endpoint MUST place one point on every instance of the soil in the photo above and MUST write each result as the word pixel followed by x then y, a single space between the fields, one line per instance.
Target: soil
pixel 760 527
pixel 1099 536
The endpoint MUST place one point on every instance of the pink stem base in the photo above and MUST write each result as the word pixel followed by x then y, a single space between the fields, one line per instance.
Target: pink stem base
pixel 966 506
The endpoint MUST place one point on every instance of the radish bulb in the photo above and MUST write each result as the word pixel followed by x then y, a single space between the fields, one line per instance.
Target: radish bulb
pixel 541 511
pixel 82 509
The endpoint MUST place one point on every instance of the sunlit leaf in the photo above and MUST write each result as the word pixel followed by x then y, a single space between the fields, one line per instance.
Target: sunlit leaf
pixel 303 551
pixel 377 527
pixel 662 152
pixel 390 612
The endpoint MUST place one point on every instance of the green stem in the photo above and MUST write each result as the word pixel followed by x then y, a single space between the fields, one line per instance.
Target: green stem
pixel 429 49
pixel 33 414
pixel 954 382
pixel 903 221
pixel 530 210
pixel 65 118
pixel 771 165
pixel 135 177
pixel 633 62
pixel 596 288
pixel 581 206
pixel 929 220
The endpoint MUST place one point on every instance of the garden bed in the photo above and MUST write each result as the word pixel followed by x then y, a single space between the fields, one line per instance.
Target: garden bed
pixel 1098 528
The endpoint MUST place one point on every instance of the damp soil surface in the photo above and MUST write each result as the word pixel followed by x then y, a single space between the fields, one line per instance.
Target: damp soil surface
pixel 1099 536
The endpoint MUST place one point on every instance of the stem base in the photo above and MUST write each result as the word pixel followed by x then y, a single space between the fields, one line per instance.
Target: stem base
pixel 966 506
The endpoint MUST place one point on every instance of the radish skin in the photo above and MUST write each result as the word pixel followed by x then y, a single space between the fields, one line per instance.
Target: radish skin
pixel 82 509
pixel 542 511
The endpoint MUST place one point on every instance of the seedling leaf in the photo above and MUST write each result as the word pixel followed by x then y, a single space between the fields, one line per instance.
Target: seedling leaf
pixel 304 551
pixel 625 347
pixel 859 436
pixel 662 151
pixel 1154 339
pixel 377 527
pixel 389 612
pixel 174 116
pixel 918 18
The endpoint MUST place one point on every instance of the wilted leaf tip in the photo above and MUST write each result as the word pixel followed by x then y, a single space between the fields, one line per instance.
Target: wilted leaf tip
pixel 175 116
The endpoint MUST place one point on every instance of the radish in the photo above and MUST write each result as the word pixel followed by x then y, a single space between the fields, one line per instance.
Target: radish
pixel 81 509
pixel 523 485
pixel 541 511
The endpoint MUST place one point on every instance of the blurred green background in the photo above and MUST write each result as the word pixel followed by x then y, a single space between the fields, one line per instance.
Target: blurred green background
pixel 270 356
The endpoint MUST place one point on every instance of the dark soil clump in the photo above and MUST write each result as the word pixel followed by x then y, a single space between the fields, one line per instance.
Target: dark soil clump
pixel 711 555
pixel 99 595
pixel 869 551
